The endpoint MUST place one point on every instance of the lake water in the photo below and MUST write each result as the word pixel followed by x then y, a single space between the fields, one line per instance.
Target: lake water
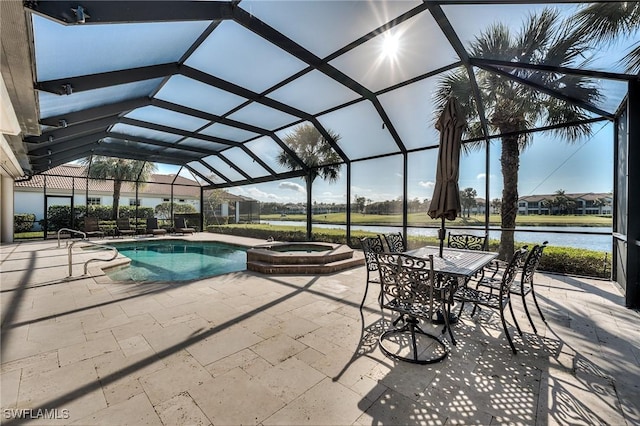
pixel 592 238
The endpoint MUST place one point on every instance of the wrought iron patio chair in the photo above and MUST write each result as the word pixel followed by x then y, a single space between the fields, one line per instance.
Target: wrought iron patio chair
pixel 395 242
pixel 181 226
pixel 467 241
pixel 525 285
pixel 123 227
pixel 371 246
pixel 470 242
pixel 409 287
pixel 91 227
pixel 496 299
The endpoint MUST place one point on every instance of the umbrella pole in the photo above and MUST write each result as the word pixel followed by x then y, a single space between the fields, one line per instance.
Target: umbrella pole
pixel 441 234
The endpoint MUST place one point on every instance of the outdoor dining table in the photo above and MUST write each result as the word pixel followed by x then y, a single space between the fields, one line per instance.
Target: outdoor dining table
pixel 455 268
pixel 455 263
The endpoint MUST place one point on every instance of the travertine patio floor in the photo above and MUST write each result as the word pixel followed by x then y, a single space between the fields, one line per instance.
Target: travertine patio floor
pixel 244 348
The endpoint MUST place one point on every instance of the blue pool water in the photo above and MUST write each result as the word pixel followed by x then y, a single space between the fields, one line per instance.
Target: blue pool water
pixel 176 260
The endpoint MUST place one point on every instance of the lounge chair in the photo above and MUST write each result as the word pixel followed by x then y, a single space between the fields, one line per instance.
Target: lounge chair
pixel 91 227
pixel 181 226
pixel 123 227
pixel 152 227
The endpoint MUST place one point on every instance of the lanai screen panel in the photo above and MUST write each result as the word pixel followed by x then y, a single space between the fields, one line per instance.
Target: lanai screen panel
pixel 411 109
pixel 361 131
pixel 53 104
pixel 243 58
pixel 268 151
pixel 74 50
pixel 420 48
pixel 348 20
pixel 249 165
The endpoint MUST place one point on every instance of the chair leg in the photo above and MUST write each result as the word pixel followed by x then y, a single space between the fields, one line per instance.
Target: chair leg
pixel 513 316
pixel 526 310
pixel 506 331
pixel 447 312
pixel 535 300
pixel 366 289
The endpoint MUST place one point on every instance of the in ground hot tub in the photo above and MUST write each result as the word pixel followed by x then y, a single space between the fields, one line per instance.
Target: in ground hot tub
pixel 301 258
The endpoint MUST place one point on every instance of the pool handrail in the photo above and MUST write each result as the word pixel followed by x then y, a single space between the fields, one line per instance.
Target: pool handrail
pixel 71 231
pixel 86 264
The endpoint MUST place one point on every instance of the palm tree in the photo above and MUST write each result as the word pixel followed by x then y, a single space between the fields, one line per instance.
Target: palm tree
pixel 468 200
pixel 316 153
pixel 120 170
pixel 511 106
pixel 608 20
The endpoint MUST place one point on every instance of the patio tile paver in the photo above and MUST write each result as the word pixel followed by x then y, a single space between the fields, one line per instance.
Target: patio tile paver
pixel 325 403
pixel 235 398
pixel 181 373
pixel 289 379
pixel 137 410
pixel 247 348
pixel 181 410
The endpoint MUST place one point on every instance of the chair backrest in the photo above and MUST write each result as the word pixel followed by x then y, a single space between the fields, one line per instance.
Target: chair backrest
pixel 152 223
pixel 532 262
pixel 123 224
pixel 395 242
pixel 511 271
pixel 406 280
pixel 371 246
pixel 467 241
pixel 179 222
pixel 91 224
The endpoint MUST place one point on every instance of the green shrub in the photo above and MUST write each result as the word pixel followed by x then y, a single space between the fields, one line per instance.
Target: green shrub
pixel 23 222
pixel 130 212
pixel 163 210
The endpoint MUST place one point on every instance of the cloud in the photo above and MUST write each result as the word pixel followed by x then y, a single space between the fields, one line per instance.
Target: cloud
pixel 427 184
pixel 482 176
pixel 256 193
pixel 292 186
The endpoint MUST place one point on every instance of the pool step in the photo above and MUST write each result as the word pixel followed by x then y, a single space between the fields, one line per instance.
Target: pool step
pixel 306 269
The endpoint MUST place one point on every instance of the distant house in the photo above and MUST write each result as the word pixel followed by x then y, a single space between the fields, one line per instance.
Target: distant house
pixel 586 203
pixel 63 183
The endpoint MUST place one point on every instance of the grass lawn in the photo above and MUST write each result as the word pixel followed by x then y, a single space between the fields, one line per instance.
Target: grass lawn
pixel 422 219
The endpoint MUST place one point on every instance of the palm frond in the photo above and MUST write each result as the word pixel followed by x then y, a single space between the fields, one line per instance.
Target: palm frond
pixel 605 21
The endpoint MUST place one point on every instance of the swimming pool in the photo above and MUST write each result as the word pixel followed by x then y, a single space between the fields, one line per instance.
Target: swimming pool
pixel 177 260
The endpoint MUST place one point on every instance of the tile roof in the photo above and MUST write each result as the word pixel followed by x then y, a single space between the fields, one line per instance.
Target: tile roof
pixel 61 177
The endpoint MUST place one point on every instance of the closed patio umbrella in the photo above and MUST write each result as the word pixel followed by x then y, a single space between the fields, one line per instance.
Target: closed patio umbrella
pixel 446 194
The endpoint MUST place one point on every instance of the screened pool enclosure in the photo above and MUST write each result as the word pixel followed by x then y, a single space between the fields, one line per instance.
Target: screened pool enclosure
pixel 226 92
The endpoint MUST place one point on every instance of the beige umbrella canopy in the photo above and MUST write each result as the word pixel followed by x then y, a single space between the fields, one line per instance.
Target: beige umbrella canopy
pixel 446 194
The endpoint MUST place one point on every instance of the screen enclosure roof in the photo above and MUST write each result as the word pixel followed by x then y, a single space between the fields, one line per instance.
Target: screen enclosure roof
pixel 217 86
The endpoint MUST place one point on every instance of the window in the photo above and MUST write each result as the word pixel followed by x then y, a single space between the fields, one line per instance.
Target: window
pixel 134 202
pixel 94 201
pixel 166 200
pixel 181 200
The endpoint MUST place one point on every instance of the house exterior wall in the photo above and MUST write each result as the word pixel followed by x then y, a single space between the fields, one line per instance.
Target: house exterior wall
pixel 28 200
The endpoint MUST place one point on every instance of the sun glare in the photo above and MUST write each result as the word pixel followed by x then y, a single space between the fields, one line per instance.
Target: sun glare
pixel 390 46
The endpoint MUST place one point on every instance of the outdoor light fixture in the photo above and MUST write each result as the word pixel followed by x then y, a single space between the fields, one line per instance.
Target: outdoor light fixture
pixel 63 123
pixel 48 152
pixel 50 138
pixel 81 14
pixel 67 89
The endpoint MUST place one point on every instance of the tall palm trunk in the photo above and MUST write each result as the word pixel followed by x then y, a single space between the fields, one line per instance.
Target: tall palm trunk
pixel 510 161
pixel 117 184
pixel 309 180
